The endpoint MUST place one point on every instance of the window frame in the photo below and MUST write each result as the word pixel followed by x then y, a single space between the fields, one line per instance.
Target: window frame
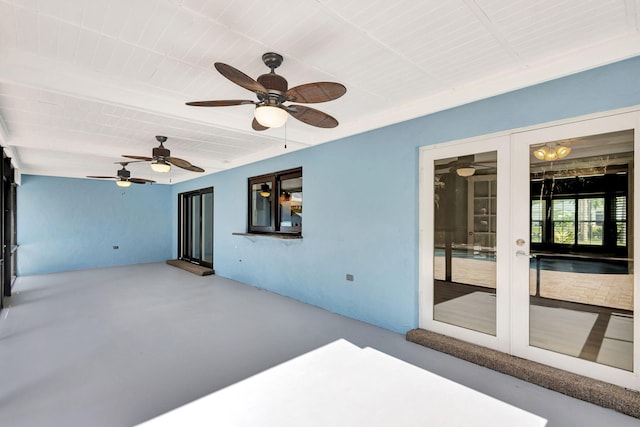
pixel 571 223
pixel 275 179
pixel 625 220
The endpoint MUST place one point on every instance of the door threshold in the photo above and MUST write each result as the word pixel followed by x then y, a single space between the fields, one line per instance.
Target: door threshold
pixel 577 386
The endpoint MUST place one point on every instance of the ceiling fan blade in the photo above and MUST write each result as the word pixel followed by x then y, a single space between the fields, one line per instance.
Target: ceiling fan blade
pixel 312 117
pixel 181 163
pixel 141 181
pixel 194 168
pixel 311 93
pixel 257 126
pixel 239 78
pixel 102 177
pixel 141 158
pixel 223 103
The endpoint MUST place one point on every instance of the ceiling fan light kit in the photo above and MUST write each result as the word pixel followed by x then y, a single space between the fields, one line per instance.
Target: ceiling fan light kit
pixel 272 92
pixel 270 116
pixel 160 166
pixel 123 183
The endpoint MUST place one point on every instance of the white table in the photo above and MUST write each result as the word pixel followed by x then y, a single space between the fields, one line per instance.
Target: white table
pixel 341 384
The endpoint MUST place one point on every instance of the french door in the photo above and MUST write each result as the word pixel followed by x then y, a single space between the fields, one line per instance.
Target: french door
pixel 527 244
pixel 195 240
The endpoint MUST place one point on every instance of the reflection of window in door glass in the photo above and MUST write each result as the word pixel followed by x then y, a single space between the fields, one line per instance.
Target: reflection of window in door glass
pixel 564 213
pixel 620 215
pixel 538 212
pixel 590 221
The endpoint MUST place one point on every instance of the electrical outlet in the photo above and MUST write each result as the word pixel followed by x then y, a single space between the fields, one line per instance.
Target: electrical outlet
pixel 350 277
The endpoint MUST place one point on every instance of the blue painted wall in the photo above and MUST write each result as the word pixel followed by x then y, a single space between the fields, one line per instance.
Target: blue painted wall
pixel 71 224
pixel 360 199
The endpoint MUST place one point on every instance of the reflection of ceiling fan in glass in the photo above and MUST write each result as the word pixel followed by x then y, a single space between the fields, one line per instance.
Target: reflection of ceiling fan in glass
pixel 466 166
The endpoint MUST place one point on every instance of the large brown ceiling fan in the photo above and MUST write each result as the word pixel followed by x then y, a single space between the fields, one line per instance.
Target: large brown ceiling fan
pixel 123 178
pixel 272 92
pixel 162 160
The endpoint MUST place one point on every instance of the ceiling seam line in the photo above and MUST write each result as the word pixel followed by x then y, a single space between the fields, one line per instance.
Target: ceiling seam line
pixel 486 22
pixel 382 44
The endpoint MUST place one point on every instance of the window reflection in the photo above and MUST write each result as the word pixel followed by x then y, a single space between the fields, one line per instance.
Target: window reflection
pixel 465 241
pixel 261 198
pixel 291 204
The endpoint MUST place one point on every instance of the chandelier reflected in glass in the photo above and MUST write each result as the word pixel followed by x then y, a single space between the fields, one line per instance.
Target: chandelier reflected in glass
pixel 551 151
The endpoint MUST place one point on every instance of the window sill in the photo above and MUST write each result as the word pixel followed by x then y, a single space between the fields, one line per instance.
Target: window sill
pixel 272 236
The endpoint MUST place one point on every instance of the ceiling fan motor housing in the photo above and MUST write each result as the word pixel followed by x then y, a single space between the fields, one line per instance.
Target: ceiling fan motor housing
pixel 123 173
pixel 272 81
pixel 161 153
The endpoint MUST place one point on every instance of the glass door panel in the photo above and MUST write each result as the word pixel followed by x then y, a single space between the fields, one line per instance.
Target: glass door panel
pixel 464 247
pixel 207 227
pixel 581 269
pixel 195 231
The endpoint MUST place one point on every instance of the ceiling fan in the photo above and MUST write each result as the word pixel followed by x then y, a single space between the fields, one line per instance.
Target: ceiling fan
pixel 272 92
pixel 162 160
pixel 124 177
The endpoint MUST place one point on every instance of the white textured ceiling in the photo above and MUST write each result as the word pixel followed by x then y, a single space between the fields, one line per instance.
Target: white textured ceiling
pixel 84 81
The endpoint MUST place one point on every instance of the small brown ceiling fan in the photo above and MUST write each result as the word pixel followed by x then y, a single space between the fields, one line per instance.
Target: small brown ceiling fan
pixel 272 92
pixel 162 160
pixel 124 178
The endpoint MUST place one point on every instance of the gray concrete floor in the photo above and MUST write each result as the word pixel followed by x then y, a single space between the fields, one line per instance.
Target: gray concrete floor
pixel 117 346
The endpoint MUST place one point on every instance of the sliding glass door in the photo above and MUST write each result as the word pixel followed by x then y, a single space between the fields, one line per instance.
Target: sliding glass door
pixel 527 244
pixel 196 226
